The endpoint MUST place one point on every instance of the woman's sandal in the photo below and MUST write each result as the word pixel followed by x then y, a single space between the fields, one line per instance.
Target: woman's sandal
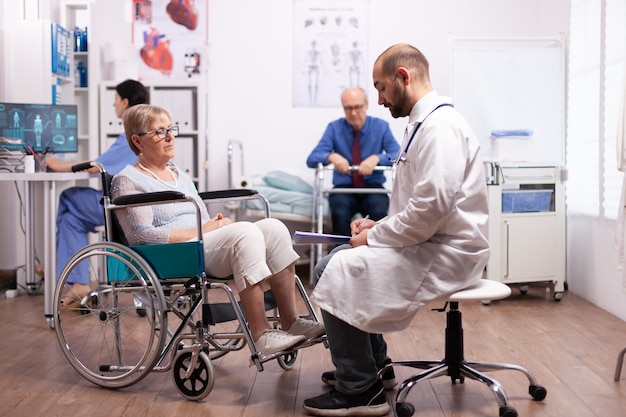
pixel 74 296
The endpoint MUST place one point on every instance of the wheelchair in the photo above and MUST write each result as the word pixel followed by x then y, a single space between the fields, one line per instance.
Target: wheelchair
pixel 152 307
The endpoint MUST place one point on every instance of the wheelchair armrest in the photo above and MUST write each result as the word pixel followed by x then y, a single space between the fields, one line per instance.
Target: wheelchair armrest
pixel 236 193
pixel 158 196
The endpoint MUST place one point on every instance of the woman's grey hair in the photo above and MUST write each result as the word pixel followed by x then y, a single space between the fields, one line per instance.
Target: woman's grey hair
pixel 139 118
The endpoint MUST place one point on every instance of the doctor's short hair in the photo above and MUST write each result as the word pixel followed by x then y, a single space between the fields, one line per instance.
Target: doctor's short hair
pixel 139 118
pixel 404 55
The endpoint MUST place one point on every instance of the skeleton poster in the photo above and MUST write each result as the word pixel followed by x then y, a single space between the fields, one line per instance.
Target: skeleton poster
pixel 330 50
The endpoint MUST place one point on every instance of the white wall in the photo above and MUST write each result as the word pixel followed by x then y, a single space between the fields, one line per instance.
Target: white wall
pixel 251 62
pixel 592 264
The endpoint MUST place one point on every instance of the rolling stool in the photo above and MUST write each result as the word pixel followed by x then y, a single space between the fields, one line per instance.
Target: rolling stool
pixel 454 365
pixel 620 363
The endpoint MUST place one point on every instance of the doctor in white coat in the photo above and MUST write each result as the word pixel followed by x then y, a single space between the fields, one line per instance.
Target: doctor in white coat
pixel 432 243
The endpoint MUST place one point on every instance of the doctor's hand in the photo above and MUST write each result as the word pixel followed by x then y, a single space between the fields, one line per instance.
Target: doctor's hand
pixel 359 239
pixel 359 225
pixel 215 223
pixel 341 164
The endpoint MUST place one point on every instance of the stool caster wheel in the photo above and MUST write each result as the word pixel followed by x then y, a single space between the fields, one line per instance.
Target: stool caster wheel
pixel 460 379
pixel 537 392
pixel 508 412
pixel 404 409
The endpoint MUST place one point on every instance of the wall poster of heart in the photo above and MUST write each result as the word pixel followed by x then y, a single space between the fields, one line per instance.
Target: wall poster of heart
pixel 171 38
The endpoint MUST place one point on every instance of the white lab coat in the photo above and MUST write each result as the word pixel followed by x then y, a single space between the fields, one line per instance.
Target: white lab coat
pixel 432 243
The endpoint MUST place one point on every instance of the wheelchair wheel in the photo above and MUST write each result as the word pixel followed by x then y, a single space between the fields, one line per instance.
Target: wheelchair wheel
pixel 104 339
pixel 199 382
pixel 288 360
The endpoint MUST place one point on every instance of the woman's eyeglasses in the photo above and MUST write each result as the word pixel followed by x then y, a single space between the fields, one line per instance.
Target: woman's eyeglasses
pixel 162 132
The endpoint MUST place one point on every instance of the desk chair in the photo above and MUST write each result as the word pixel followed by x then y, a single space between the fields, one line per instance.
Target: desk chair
pixel 454 365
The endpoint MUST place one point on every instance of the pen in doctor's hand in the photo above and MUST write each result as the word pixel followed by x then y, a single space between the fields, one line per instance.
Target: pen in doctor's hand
pixel 363 220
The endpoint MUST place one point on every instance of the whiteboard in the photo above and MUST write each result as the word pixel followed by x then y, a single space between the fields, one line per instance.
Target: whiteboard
pixel 511 85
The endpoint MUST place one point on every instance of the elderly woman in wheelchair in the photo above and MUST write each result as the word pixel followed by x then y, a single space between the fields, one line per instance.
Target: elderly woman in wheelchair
pixel 251 252
pixel 255 255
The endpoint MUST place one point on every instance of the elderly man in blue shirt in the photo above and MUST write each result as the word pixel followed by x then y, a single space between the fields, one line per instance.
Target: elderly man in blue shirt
pixel 355 140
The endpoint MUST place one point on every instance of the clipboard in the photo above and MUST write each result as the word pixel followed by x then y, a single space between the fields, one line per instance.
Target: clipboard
pixel 314 238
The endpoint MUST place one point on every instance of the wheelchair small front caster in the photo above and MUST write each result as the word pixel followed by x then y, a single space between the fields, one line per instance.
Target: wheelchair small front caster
pixel 288 360
pixel 200 381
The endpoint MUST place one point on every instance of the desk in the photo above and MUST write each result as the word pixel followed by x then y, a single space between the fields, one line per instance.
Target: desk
pixel 49 181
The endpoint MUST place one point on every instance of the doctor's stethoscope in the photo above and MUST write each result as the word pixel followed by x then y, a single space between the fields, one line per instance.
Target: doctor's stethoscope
pixel 401 157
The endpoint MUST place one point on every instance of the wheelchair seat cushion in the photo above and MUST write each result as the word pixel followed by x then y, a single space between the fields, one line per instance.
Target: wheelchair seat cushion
pixel 174 260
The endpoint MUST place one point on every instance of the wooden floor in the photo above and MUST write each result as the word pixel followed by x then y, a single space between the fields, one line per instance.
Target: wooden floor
pixel 571 346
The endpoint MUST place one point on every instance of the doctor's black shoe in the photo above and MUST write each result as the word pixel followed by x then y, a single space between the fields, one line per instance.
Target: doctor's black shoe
pixel 388 379
pixel 372 402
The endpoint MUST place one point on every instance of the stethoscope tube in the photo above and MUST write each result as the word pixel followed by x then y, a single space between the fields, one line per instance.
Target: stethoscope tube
pixel 401 157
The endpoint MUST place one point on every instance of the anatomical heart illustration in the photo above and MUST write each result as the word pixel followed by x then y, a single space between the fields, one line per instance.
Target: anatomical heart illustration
pixel 184 13
pixel 170 37
pixel 155 52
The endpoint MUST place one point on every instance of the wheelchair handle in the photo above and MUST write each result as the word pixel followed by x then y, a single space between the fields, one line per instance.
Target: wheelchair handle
pixel 87 165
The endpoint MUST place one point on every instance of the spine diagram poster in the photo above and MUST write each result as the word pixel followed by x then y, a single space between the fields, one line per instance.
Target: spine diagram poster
pixel 170 37
pixel 329 50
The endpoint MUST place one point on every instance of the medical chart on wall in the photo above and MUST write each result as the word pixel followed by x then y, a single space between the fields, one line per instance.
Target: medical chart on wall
pixel 329 50
pixel 170 37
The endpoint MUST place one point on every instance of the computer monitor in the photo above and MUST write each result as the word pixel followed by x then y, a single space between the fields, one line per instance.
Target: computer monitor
pixel 41 127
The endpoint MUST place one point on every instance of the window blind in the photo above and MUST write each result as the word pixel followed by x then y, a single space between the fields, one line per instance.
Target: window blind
pixel 595 86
